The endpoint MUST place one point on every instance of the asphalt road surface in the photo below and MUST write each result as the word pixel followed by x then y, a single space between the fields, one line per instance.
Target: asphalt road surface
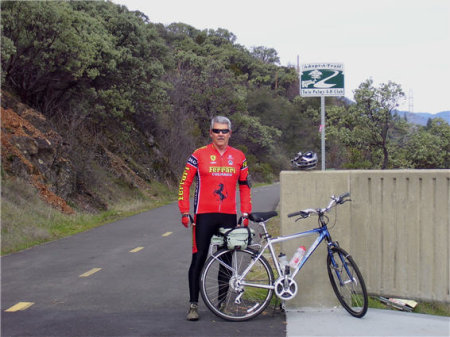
pixel 127 278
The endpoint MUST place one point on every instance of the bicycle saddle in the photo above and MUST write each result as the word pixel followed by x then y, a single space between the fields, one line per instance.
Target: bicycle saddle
pixel 261 216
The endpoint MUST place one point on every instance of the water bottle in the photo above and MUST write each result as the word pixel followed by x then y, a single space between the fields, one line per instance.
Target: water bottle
pixel 297 258
pixel 283 262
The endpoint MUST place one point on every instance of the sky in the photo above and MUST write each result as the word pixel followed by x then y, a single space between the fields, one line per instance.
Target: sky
pixel 403 41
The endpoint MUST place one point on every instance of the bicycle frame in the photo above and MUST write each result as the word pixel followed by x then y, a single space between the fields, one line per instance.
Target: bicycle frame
pixel 321 232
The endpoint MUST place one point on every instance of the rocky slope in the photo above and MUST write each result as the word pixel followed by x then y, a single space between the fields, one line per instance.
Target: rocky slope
pixel 35 151
pixel 32 150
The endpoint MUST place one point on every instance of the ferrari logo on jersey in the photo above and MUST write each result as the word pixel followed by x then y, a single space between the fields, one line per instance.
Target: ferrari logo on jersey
pixel 213 157
pixel 222 169
pixel 220 192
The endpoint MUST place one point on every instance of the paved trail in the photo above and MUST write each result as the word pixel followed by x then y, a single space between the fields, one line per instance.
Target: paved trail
pixel 127 278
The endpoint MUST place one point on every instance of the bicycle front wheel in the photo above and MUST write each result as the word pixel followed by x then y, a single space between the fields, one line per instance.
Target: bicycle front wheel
pixel 347 282
pixel 227 293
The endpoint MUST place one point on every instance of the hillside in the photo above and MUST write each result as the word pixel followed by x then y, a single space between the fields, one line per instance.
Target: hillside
pixel 421 118
pixel 32 150
pixel 86 176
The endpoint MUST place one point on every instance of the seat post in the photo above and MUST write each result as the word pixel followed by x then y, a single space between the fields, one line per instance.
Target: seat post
pixel 263 225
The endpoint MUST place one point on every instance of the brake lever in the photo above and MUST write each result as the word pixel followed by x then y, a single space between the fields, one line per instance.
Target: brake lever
pixel 303 215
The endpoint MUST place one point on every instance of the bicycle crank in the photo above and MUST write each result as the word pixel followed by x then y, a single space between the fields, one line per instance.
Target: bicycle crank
pixel 286 288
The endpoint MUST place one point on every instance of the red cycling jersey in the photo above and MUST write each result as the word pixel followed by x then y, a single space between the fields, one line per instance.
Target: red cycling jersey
pixel 217 176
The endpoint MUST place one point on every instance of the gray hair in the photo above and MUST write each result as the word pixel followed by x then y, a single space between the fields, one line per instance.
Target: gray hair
pixel 220 120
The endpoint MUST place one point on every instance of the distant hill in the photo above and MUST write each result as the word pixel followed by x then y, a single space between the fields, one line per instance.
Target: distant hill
pixel 421 118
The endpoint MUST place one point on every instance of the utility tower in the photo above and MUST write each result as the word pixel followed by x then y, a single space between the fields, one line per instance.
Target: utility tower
pixel 411 101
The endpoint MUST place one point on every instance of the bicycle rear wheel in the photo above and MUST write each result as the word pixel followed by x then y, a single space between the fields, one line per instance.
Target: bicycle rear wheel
pixel 230 296
pixel 347 282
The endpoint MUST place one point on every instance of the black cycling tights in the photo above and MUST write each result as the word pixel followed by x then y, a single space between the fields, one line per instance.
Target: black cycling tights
pixel 206 226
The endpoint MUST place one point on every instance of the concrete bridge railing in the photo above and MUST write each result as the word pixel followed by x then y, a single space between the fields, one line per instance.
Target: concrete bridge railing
pixel 397 228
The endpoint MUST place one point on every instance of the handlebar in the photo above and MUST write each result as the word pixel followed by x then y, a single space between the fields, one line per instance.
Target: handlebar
pixel 343 198
pixel 303 214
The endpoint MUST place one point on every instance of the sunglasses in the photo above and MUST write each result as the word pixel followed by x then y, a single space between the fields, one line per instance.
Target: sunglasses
pixel 224 131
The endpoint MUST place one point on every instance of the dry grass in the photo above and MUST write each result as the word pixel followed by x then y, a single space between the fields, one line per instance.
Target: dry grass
pixel 27 221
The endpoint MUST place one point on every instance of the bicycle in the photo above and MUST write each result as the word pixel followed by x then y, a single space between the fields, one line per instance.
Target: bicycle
pixel 238 284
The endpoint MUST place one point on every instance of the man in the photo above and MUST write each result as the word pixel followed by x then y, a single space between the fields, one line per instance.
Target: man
pixel 218 168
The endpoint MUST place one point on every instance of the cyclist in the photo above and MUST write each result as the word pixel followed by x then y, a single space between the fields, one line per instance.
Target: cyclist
pixel 217 168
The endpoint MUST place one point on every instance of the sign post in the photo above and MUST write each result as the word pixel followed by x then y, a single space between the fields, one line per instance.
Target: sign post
pixel 322 129
pixel 321 80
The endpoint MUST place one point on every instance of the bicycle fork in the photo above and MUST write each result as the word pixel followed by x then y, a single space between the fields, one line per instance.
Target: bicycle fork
pixel 336 268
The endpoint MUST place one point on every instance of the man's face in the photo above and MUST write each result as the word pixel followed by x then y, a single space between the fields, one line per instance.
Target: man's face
pixel 220 139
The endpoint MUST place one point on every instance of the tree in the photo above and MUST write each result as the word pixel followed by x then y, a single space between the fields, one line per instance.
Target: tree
pixel 373 116
pixel 266 55
pixel 54 49
pixel 429 147
pixel 221 37
pixel 7 50
pixel 131 81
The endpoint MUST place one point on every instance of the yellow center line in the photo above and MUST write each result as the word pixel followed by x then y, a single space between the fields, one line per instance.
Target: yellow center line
pixel 90 272
pixel 135 250
pixel 20 306
pixel 167 233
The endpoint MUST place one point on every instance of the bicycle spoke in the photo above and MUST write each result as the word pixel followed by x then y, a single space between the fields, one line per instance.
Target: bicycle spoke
pixel 347 282
pixel 227 293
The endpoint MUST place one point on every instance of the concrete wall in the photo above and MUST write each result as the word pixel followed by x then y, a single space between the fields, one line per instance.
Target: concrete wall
pixel 397 228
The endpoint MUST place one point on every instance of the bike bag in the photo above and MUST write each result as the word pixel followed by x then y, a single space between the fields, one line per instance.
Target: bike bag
pixel 218 240
pixel 237 238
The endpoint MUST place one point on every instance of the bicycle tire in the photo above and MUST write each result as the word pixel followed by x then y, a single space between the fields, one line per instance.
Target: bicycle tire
pixel 347 282
pixel 229 299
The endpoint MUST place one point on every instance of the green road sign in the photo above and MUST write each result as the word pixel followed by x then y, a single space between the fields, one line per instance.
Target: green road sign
pixel 322 79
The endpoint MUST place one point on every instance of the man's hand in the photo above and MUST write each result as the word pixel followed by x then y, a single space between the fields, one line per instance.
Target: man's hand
pixel 185 219
pixel 244 219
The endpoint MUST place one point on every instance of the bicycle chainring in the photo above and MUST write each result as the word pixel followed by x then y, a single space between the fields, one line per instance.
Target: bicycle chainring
pixel 286 288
